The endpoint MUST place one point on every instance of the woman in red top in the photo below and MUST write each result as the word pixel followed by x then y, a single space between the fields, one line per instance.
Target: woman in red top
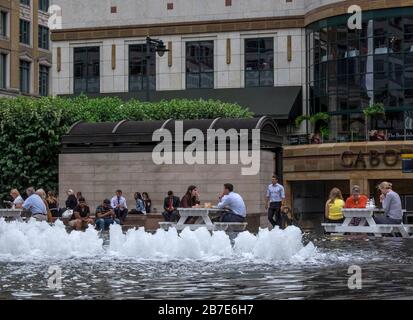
pixel 356 200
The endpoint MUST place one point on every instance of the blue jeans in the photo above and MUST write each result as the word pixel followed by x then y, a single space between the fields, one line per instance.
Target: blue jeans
pixel 103 223
pixel 386 220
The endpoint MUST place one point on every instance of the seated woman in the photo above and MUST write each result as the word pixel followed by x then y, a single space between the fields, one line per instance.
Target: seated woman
pixel 392 205
pixel 148 202
pixel 53 204
pixel 140 204
pixel 334 206
pixel 190 200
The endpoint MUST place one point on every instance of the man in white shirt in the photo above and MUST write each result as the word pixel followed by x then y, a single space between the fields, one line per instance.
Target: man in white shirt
pixel 235 210
pixel 118 204
pixel 17 199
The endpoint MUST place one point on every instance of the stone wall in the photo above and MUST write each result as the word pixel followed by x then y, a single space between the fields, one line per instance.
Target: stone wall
pixel 97 176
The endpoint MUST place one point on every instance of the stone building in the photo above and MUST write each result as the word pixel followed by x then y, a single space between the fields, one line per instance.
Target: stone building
pixel 25 50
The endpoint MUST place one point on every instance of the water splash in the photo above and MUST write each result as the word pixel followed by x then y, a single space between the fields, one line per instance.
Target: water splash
pixel 39 240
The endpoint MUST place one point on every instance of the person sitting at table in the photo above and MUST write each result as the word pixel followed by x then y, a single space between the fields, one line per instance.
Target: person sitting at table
pixel 334 207
pixel 233 205
pixel 81 216
pixel 392 205
pixel 148 202
pixel 190 200
pixel 170 205
pixel 105 216
pixel 35 205
pixel 356 200
pixel 17 199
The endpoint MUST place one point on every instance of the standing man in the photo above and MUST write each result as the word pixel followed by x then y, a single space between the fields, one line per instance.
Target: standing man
pixel 35 205
pixel 118 203
pixel 274 202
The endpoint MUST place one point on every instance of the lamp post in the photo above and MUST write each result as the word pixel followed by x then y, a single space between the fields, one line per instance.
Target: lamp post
pixel 160 49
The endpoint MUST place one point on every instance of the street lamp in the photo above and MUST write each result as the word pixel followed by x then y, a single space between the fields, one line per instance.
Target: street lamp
pixel 160 48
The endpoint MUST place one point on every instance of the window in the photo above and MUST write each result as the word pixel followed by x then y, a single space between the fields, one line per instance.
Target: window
pixel 87 70
pixel 25 2
pixel 43 37
pixel 24 31
pixel 259 62
pixel 24 76
pixel 44 5
pixel 43 81
pixel 3 71
pixel 137 68
pixel 200 64
pixel 3 23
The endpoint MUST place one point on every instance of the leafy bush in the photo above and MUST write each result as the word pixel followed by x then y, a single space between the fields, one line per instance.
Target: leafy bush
pixel 31 129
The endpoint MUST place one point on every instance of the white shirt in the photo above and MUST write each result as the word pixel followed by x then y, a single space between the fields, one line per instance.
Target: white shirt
pixel 18 201
pixel 121 201
pixel 234 202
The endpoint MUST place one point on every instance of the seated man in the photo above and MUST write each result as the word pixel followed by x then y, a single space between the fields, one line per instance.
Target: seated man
pixel 105 216
pixel 81 216
pixel 170 205
pixel 35 205
pixel 235 210
pixel 118 203
pixel 356 200
pixel 17 199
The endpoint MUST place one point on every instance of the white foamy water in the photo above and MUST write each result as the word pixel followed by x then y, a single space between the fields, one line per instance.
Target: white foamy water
pixel 35 240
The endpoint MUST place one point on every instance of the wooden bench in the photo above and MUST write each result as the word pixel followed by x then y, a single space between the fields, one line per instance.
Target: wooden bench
pixel 231 226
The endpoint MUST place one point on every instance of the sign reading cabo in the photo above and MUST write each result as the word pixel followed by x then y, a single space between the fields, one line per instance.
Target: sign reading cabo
pixel 201 149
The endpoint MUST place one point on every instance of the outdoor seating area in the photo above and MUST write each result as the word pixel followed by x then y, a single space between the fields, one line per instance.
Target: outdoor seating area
pixel 366 224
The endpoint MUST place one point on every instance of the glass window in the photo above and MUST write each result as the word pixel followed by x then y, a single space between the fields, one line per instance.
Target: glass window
pixel 24 31
pixel 3 71
pixel 138 63
pixel 3 23
pixel 44 5
pixel 259 62
pixel 25 2
pixel 200 64
pixel 43 37
pixel 24 76
pixel 87 70
pixel 43 81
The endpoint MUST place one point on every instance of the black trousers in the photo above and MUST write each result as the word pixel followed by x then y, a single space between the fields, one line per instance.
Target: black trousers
pixel 274 211
pixel 170 216
pixel 121 214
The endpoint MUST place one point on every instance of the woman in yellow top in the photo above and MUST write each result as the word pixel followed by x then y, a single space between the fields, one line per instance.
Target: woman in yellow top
pixel 334 205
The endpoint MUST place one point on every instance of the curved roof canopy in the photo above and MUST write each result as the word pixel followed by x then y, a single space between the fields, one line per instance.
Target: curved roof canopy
pixel 136 136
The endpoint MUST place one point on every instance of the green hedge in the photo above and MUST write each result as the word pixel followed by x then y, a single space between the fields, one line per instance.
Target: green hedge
pixel 31 130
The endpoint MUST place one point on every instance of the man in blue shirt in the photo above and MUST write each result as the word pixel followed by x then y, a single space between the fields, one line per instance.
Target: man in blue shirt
pixel 274 202
pixel 35 205
pixel 235 210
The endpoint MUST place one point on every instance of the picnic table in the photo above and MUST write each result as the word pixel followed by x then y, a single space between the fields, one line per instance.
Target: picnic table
pixel 11 214
pixel 366 223
pixel 203 216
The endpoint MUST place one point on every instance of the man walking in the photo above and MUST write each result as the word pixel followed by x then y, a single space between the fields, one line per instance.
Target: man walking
pixel 274 202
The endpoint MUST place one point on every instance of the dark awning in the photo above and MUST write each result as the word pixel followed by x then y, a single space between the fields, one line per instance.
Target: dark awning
pixel 281 103
pixel 136 136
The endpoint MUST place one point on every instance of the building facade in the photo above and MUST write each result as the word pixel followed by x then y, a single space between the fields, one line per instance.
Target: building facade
pixel 282 58
pixel 25 50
